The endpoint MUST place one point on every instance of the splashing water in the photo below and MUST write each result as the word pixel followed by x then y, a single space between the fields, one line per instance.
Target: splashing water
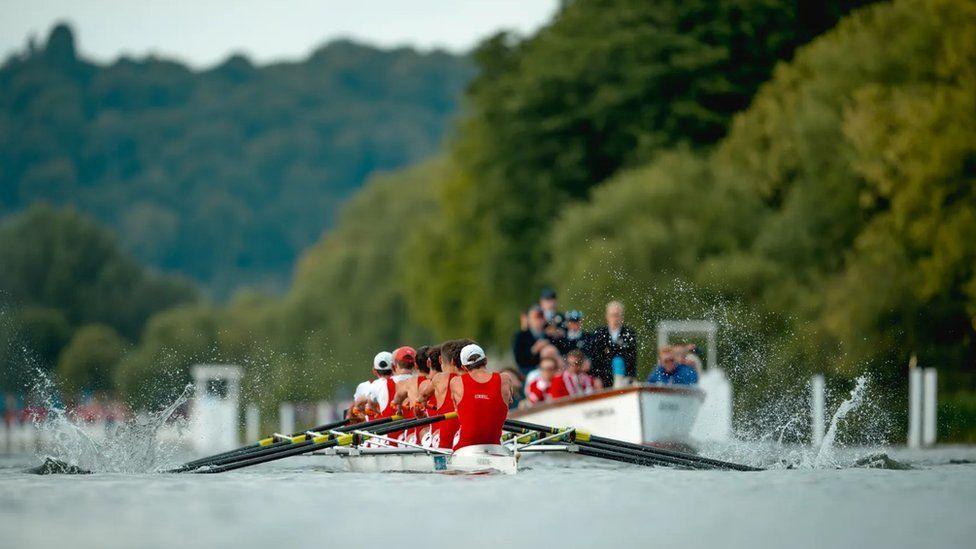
pixel 130 446
pixel 825 456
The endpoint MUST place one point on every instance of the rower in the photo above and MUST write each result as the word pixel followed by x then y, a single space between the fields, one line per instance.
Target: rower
pixel 481 398
pixel 438 388
pixel 407 399
pixel 382 390
pixel 404 364
pixel 434 366
pixel 362 403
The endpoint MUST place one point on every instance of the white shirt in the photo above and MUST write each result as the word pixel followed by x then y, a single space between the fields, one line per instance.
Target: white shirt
pixel 362 390
pixel 378 392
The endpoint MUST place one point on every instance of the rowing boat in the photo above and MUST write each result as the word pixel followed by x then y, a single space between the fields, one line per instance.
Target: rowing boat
pixel 372 451
pixel 479 459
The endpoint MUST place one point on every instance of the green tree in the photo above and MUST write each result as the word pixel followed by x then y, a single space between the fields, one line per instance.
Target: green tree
pixel 606 85
pixel 860 151
pixel 173 340
pixel 90 359
pixel 348 302
pixel 59 259
pixel 224 175
pixel 30 340
pixel 835 221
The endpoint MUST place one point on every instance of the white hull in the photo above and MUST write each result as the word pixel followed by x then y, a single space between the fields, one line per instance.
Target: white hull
pixel 640 414
pixel 471 460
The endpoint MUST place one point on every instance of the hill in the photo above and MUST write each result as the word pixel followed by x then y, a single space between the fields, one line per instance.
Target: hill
pixel 223 175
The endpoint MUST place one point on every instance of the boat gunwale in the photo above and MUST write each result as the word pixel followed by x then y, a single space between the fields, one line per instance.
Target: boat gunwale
pixel 607 393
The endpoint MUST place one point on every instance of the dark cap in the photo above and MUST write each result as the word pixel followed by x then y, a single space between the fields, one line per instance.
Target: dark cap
pixel 547 293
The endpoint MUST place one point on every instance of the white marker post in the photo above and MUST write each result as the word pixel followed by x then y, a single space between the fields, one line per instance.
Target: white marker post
pixel 817 409
pixel 914 405
pixel 286 418
pixel 214 411
pixel 929 392
pixel 324 412
pixel 252 422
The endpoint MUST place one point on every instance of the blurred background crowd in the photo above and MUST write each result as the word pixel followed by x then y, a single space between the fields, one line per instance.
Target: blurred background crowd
pixel 557 355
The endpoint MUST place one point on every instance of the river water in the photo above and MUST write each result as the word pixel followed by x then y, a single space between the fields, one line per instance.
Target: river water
pixel 566 502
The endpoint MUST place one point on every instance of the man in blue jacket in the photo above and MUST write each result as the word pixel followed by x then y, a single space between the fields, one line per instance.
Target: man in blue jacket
pixel 671 371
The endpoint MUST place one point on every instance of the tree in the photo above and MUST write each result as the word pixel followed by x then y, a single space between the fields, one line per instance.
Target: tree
pixel 90 359
pixel 30 341
pixel 59 259
pixel 223 175
pixel 605 86
pixel 860 152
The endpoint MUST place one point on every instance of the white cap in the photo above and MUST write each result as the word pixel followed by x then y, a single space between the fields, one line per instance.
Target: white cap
pixel 383 361
pixel 471 354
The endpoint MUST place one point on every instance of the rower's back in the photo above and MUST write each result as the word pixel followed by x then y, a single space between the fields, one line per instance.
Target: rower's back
pixel 480 400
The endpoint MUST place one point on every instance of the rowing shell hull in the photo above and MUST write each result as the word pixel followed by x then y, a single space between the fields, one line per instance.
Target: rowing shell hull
pixel 472 460
pixel 648 414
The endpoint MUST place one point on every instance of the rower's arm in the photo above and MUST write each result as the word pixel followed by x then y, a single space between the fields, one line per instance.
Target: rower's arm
pixel 507 389
pixel 426 390
pixel 401 394
pixel 456 389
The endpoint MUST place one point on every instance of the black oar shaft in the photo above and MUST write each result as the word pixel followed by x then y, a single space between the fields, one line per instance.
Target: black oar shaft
pixel 636 459
pixel 259 450
pixel 650 450
pixel 657 459
pixel 258 445
pixel 313 446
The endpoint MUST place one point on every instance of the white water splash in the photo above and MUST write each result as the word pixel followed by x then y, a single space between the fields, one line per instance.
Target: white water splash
pixel 130 446
pixel 825 456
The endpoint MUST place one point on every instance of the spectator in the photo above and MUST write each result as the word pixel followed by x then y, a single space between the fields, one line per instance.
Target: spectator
pixel 671 370
pixel 527 343
pixel 548 385
pixel 577 381
pixel 547 351
pixel 550 306
pixel 613 349
pixel 574 337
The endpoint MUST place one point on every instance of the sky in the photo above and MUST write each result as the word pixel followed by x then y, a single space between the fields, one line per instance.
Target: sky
pixel 205 32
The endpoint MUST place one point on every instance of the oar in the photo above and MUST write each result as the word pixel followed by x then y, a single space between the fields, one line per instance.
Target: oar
pixel 579 438
pixel 322 442
pixel 619 446
pixel 263 443
pixel 263 450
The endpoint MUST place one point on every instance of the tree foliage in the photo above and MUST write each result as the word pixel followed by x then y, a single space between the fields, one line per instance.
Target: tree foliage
pixel 226 174
pixel 841 202
pixel 603 87
pixel 345 305
pixel 60 259
pixel 89 360
pixel 59 270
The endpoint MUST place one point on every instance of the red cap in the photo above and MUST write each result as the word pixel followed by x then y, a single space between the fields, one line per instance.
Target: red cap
pixel 405 356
